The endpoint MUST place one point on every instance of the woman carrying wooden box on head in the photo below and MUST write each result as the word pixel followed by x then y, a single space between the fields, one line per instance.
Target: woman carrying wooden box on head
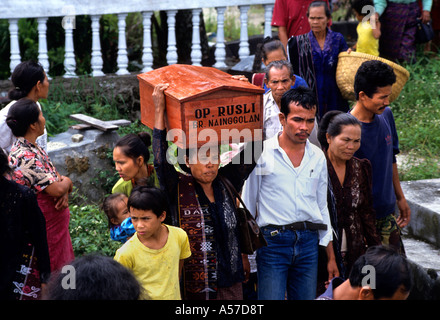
pixel 201 205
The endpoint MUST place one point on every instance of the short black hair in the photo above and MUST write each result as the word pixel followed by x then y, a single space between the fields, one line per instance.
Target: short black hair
pixel 97 277
pixel 371 75
pixel 303 96
pixel 391 270
pixel 148 198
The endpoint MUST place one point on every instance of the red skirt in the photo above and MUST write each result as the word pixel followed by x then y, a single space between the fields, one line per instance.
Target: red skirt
pixel 57 229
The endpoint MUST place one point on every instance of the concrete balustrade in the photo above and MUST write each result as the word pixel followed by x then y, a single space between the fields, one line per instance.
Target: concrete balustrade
pixel 14 10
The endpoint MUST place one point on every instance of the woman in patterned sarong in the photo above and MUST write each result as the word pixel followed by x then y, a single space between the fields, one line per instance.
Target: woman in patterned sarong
pixel 33 168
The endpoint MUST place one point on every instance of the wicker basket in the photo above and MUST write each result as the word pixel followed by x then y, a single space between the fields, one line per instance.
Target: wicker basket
pixel 348 64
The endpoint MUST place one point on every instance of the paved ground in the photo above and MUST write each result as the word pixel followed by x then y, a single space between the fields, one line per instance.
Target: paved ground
pixel 425 254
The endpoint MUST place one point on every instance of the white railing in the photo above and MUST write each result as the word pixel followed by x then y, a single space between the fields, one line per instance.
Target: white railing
pixel 42 10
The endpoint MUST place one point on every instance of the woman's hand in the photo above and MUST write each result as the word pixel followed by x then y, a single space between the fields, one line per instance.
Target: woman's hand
pixel 426 16
pixel 240 77
pixel 159 105
pixel 62 202
pixel 58 189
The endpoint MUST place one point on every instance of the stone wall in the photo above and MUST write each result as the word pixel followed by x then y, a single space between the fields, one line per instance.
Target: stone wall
pixel 85 161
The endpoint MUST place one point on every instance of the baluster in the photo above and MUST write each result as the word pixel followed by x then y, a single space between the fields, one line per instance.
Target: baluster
pixel 172 49
pixel 43 58
pixel 220 48
pixel 147 53
pixel 243 52
pixel 15 48
pixel 268 8
pixel 196 50
pixel 96 61
pixel 122 46
pixel 69 54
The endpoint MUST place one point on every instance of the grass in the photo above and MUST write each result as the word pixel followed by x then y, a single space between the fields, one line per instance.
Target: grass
pixel 417 116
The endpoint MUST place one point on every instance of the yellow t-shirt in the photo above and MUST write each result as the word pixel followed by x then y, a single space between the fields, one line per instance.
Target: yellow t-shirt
pixel 366 43
pixel 157 270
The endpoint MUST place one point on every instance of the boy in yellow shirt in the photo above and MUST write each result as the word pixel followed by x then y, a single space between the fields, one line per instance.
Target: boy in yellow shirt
pixel 156 251
pixel 368 29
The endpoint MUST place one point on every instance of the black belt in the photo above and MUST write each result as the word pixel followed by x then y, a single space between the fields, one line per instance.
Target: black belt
pixel 303 225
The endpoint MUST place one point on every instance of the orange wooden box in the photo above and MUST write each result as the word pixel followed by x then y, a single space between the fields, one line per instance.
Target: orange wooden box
pixel 201 98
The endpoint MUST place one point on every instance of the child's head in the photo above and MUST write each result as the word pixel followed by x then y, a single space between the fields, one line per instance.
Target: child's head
pixel 147 204
pixel 115 207
pixel 362 8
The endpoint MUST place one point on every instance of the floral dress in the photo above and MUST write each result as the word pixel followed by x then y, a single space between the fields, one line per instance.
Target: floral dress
pixel 33 168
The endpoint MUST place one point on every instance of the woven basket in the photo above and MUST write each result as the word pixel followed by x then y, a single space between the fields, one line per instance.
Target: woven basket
pixel 348 64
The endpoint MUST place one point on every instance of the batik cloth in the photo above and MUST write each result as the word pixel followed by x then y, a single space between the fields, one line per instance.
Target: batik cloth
pixel 398 31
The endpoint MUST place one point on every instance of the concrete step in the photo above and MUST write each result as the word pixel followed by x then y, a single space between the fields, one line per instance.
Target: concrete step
pixel 424 254
pixel 423 197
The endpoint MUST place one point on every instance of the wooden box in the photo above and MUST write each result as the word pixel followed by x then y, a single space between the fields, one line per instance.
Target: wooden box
pixel 204 105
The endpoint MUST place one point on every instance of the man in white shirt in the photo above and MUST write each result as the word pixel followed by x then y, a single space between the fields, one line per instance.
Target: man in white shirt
pixel 288 191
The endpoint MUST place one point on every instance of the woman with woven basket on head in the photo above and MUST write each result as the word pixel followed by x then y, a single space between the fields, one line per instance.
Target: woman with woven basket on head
pixel 33 168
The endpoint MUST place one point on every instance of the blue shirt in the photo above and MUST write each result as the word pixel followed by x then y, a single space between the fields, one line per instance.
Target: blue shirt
pixel 298 82
pixel 380 144
pixel 122 231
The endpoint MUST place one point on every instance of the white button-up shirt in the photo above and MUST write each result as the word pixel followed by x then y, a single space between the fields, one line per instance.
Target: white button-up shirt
pixel 283 194
pixel 271 122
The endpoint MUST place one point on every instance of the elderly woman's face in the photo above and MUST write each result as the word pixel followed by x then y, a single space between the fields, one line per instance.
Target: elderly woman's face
pixel 204 166
pixel 317 19
pixel 344 145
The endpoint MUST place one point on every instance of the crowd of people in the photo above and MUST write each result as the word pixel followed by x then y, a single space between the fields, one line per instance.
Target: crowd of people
pixel 323 187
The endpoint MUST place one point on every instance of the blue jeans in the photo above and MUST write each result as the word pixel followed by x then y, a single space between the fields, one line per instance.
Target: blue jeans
pixel 288 263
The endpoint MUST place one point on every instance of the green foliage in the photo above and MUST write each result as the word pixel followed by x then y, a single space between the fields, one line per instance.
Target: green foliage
pixel 5 49
pixel 89 231
pixel 57 115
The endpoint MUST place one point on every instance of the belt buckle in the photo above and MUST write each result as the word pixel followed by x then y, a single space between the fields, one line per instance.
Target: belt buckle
pixel 274 233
